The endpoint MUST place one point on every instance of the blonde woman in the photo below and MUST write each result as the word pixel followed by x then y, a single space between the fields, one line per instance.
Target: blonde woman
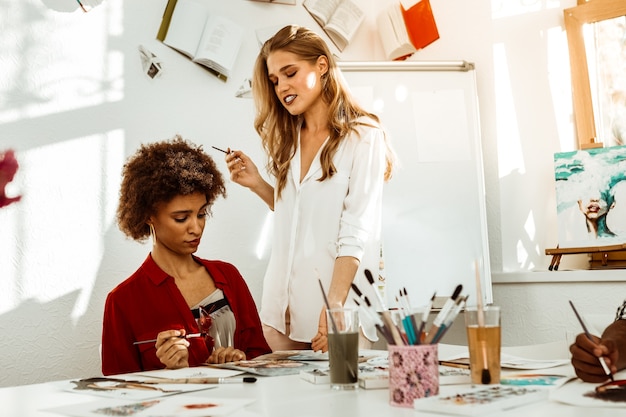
pixel 328 159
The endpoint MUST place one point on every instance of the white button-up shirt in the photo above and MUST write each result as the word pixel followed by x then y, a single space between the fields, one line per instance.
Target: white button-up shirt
pixel 316 222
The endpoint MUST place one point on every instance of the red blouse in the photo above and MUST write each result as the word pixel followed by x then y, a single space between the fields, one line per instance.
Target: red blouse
pixel 149 302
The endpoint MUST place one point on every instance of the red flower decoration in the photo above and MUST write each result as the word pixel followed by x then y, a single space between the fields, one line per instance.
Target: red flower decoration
pixel 8 168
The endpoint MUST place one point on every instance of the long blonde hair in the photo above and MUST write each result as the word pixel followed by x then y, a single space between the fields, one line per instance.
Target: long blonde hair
pixel 278 128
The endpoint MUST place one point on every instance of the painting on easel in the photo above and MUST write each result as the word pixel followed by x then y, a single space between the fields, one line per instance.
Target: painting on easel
pixel 591 197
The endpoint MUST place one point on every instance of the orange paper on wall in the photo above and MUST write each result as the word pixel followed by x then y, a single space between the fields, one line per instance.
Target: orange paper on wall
pixel 420 24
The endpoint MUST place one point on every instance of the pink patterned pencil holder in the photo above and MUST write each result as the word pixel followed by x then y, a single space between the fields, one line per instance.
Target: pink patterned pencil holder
pixel 413 373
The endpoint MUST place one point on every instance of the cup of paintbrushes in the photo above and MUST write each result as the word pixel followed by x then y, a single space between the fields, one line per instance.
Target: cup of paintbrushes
pixel 413 373
pixel 343 347
pixel 483 341
pixel 408 321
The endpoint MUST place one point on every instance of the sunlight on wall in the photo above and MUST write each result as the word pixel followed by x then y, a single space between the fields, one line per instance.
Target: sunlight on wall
pixel 510 156
pixel 79 72
pixel 56 238
pixel 509 148
pixel 561 86
pixel 545 63
pixel 52 241
pixel 530 230
pixel 506 8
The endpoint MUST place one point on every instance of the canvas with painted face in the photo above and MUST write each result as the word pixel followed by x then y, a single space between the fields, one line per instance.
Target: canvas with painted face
pixel 591 197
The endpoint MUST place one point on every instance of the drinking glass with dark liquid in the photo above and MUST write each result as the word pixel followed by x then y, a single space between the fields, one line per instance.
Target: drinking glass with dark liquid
pixel 343 347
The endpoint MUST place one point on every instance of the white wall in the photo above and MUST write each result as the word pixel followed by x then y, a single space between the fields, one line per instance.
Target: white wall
pixel 74 104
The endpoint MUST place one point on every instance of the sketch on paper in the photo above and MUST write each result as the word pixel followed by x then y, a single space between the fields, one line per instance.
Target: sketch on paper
pixel 591 197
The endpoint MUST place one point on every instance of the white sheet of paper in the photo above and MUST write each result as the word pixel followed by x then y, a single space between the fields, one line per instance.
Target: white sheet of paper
pixel 192 372
pixel 117 390
pixel 180 406
pixel 185 406
pixel 455 352
pixel 437 139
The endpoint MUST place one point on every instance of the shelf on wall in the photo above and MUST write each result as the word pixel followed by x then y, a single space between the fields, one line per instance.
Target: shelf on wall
pixel 565 276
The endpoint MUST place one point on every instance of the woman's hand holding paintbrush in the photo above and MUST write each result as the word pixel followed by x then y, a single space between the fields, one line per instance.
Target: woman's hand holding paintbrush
pixel 180 336
pixel 485 374
pixel 593 359
pixel 244 172
pixel 588 346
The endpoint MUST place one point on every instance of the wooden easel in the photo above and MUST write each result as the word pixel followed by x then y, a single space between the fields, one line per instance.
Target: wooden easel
pixel 557 253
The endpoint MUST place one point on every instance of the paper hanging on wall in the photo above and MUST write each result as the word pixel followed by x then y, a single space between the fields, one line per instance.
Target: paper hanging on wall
pixel 150 64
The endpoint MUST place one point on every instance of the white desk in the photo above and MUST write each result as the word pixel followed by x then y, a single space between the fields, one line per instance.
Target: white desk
pixel 286 396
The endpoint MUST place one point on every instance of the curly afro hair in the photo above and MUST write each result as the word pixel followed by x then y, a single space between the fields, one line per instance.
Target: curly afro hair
pixel 156 174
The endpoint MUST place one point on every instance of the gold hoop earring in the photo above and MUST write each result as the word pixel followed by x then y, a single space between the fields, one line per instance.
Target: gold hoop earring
pixel 153 235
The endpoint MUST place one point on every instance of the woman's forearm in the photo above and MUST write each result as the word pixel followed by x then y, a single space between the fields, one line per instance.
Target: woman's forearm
pixel 266 192
pixel 343 274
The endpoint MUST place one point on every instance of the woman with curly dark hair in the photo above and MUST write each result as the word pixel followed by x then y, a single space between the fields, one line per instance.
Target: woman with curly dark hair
pixel 153 319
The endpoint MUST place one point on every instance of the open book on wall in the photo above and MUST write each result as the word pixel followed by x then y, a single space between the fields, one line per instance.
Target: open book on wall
pixel 340 19
pixel 292 2
pixel 189 27
pixel 403 31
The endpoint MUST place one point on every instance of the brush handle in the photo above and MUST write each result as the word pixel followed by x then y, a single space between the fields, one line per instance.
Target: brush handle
pixel 330 316
pixel 187 336
pixel 479 297
pixel 395 333
pixel 605 367
pixel 439 320
pixel 370 279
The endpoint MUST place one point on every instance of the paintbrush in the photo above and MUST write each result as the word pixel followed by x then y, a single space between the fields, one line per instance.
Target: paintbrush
pixel 369 311
pixel 605 367
pixel 441 316
pixel 187 336
pixel 357 290
pixel 429 306
pixel 485 376
pixel 330 316
pixel 406 296
pixel 406 320
pixel 460 302
pixel 380 326
pixel 221 150
pixel 384 313
pixel 412 321
pixel 370 279
pixel 371 314
pixel 208 380
pixel 195 380
pixel 334 324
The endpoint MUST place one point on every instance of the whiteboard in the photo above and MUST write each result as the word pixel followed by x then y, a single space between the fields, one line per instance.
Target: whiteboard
pixel 434 216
